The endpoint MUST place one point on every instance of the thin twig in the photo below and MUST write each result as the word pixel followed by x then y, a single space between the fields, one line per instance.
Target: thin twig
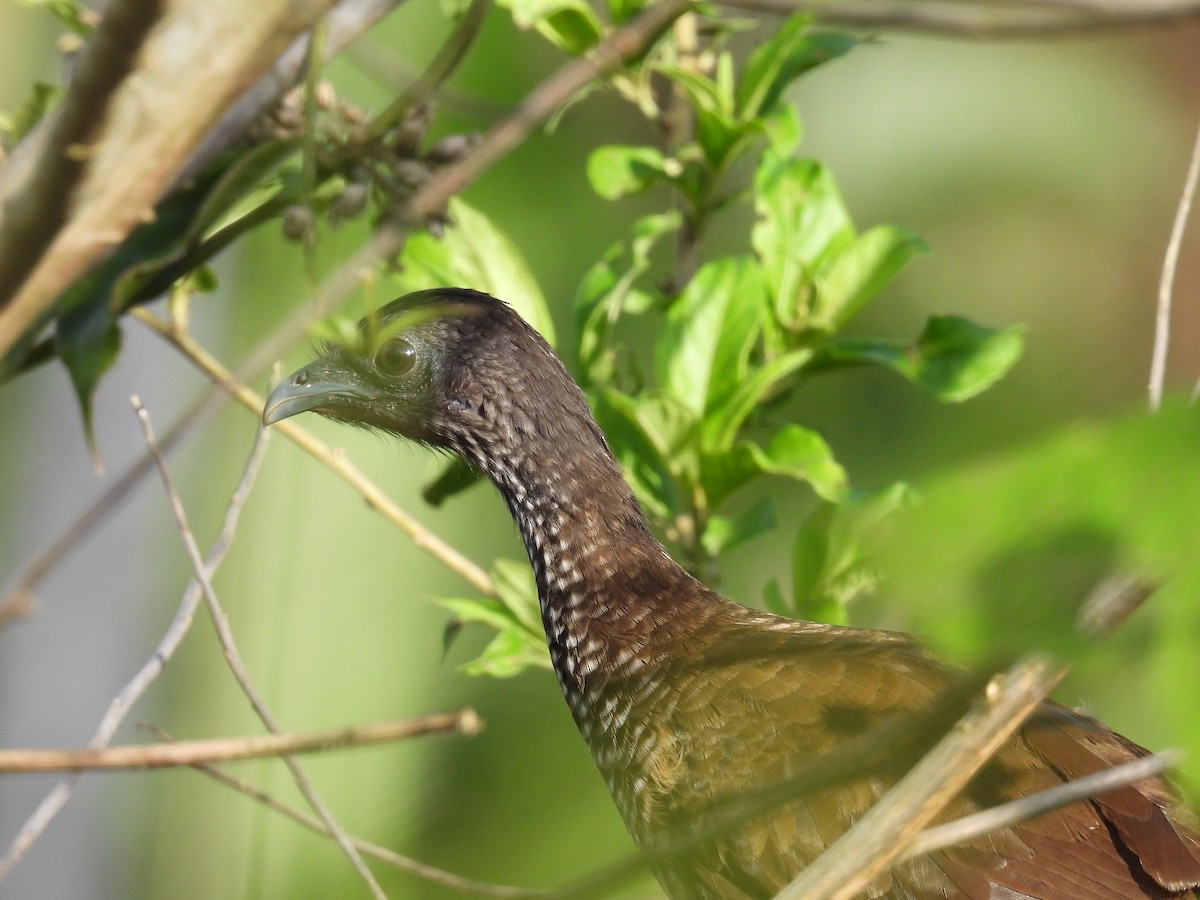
pixel 237 667
pixel 443 64
pixel 19 596
pixel 383 854
pixel 1025 808
pixel 189 753
pixel 421 536
pixel 880 836
pixel 120 706
pixel 1166 284
pixel 964 20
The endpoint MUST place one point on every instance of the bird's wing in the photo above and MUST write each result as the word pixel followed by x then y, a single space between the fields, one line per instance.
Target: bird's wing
pixel 753 722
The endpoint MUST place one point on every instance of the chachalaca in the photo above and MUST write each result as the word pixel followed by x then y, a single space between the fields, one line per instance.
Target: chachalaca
pixel 691 703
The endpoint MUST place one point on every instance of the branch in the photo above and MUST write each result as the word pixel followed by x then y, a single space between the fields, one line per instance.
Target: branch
pixel 41 818
pixel 1050 18
pixel 878 838
pixel 1166 284
pixel 238 668
pixel 194 65
pixel 189 753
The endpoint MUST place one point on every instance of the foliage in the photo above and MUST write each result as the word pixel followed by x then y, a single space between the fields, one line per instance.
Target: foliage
pixel 691 425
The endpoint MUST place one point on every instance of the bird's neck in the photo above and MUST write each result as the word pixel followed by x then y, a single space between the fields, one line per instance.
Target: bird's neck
pixel 606 585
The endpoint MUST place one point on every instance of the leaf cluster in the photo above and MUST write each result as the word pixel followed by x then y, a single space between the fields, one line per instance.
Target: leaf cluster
pixel 694 425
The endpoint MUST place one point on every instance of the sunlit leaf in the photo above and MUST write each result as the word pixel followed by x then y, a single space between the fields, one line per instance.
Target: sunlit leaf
pixel 789 53
pixel 954 357
pixel 725 532
pixel 570 24
pixel 723 422
pixel 615 171
pixel 801 222
pixel 704 344
pixel 860 271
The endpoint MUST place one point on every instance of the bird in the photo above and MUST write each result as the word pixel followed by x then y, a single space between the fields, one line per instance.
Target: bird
pixel 693 705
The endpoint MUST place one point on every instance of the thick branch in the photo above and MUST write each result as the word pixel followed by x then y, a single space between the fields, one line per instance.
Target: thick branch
pixel 30 218
pixel 194 64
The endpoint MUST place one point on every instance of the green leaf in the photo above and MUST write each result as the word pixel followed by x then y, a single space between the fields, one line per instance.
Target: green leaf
pixel 86 337
pixel 781 60
pixel 520 641
pixel 783 130
pixel 474 251
pixel 793 452
pixel 518 592
pixel 607 291
pixel 42 97
pixel 621 11
pixel 456 477
pixel 570 24
pixel 717 129
pixel 510 653
pixel 703 350
pixel 723 422
pixel 88 342
pixel 810 559
pixel 801 222
pixel 954 357
pixel 803 454
pixel 722 533
pixel 615 171
pixel 860 271
pixel 829 551
pixel 654 438
pixel 238 180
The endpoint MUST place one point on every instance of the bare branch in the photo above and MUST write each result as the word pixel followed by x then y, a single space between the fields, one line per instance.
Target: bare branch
pixel 237 667
pixel 1166 284
pixel 119 708
pixel 1039 18
pixel 189 753
pixel 1026 808
pixel 879 837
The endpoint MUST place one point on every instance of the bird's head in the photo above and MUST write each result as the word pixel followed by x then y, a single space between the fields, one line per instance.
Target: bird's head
pixel 449 367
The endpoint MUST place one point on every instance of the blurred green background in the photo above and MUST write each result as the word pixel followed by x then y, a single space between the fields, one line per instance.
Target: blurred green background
pixel 1044 177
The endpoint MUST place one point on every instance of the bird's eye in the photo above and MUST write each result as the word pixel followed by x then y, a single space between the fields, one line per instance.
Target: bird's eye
pixel 396 357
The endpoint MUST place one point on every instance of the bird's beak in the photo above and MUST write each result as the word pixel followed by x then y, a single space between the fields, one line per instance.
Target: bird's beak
pixel 307 389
